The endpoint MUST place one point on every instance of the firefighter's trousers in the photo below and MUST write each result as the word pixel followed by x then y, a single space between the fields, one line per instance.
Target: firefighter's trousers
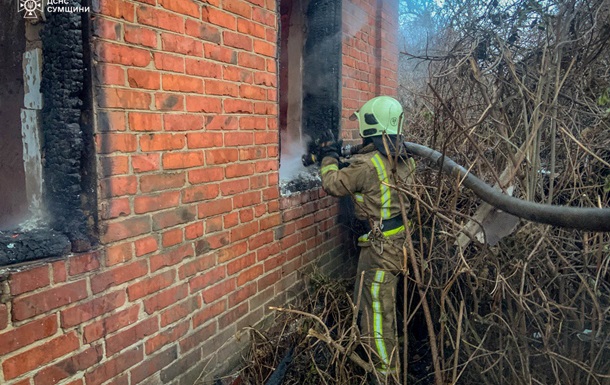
pixel 380 265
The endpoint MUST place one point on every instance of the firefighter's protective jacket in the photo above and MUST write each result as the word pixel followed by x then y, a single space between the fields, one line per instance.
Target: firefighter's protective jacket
pixel 368 180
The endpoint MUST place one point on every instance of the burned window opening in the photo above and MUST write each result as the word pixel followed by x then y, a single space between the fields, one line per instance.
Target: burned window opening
pixel 68 190
pixel 310 79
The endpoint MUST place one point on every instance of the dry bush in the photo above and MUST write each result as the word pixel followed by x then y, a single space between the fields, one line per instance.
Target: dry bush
pixel 518 94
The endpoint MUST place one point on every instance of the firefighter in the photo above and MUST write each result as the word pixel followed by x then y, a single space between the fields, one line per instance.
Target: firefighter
pixel 367 179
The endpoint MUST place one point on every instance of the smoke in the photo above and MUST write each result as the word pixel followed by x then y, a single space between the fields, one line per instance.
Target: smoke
pixel 290 160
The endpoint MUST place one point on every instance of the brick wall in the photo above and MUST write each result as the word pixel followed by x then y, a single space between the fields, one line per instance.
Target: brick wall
pixel 370 55
pixel 195 241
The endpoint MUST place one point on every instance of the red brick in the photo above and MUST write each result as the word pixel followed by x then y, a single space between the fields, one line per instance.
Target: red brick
pixel 180 44
pixel 161 142
pixel 159 182
pixel 29 280
pixel 143 79
pixel 118 275
pixel 266 138
pixel 265 79
pixel 130 336
pixel 140 36
pixel 197 338
pixel 233 251
pixel 208 312
pixel 269 279
pixel 76 315
pixel 264 16
pixel 115 208
pixel 246 215
pixel 239 106
pixel 120 98
pixel 250 28
pixel 260 240
pixel 209 174
pixel 180 311
pixel 203 68
pixel 171 258
pixel 145 246
pixel 169 102
pixel 238 7
pixel 114 142
pixel 83 263
pixel 155 17
pixel 217 291
pixel 108 121
pixel 120 54
pixel 247 199
pixel 147 203
pixel 234 186
pixel 118 253
pixel 204 139
pixel 241 263
pixel 251 61
pixel 203 104
pixel 237 74
pixel 109 74
pixel 115 8
pixel 69 367
pixel 220 122
pixel 264 48
pixel 168 62
pixel 172 237
pixel 237 40
pixel 217 17
pixel 203 31
pixel 232 316
pixel 114 165
pixel 200 193
pixel 244 231
pixel 273 262
pixel 253 123
pixel 230 220
pixel 146 162
pixel 221 156
pixel 35 357
pixel 173 217
pixel 218 53
pixel 182 83
pixel 249 275
pixel 127 228
pixel 251 153
pixel 182 160
pixel 150 285
pixel 193 231
pixel 58 272
pixel 110 324
pixel 165 298
pixel 114 366
pixel 219 206
pixel 219 87
pixel 239 138
pixel 153 364
pixel 183 122
pixel 252 92
pixel 184 7
pixel 203 280
pixel 26 334
pixel 40 303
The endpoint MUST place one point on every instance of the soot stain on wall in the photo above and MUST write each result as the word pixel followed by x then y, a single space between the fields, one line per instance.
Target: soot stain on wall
pixel 322 69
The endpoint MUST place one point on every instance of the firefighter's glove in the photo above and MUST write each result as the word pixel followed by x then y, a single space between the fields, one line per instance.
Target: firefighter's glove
pixel 332 149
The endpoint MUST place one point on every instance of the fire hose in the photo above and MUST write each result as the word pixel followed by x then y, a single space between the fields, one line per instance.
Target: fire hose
pixel 582 218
